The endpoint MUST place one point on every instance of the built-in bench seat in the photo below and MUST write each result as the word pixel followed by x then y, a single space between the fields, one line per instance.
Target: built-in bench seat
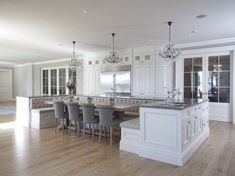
pixel 43 118
pixel 130 135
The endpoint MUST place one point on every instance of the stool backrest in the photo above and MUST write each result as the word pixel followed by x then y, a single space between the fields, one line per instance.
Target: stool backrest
pixel 73 109
pixel 88 112
pixel 59 109
pixel 105 115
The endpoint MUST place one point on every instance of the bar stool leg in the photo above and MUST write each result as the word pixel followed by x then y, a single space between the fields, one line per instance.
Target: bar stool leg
pixel 111 135
pixel 90 128
pixel 78 129
pixel 55 125
pixel 62 126
pixel 84 128
pixel 93 132
pixel 100 133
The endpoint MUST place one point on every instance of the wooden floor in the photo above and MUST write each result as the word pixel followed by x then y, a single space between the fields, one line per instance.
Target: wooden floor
pixel 28 152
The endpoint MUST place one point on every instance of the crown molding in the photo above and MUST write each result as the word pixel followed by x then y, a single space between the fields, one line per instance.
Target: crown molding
pixel 207 43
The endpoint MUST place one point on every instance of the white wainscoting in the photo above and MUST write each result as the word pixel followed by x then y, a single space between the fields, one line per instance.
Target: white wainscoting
pixel 220 112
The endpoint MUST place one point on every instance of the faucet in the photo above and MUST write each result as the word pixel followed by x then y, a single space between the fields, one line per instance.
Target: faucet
pixel 171 96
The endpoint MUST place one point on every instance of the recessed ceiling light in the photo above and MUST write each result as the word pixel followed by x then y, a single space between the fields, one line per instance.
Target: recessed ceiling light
pixel 150 40
pixel 201 16
pixel 60 44
pixel 84 11
pixel 194 31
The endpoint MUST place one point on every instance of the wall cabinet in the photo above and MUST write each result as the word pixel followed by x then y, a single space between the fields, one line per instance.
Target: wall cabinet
pixel 93 77
pixel 143 75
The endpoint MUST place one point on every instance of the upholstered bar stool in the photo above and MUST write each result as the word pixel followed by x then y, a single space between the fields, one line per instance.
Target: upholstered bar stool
pixel 107 121
pixel 74 115
pixel 60 114
pixel 88 112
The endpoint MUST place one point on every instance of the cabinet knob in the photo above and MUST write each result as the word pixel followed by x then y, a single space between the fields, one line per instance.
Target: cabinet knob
pixel 195 117
pixel 189 122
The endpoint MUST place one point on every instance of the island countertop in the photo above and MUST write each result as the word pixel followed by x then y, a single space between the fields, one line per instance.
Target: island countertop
pixel 187 103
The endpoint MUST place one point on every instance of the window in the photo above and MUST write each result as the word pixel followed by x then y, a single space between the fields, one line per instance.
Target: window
pixel 72 77
pixel 219 79
pixel 193 77
pixel 45 79
pixel 62 81
pixel 53 80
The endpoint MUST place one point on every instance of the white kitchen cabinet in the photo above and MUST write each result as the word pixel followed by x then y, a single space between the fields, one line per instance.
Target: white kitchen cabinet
pixel 194 123
pixel 93 77
pixel 143 75
pixel 167 134
pixel 143 80
pixel 186 132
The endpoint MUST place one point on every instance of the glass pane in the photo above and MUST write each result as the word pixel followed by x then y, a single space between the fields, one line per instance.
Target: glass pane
pixel 197 78
pixel 72 76
pixel 213 63
pixel 224 62
pixel 224 79
pixel 197 64
pixel 187 92
pixel 197 92
pixel 213 94
pixel 45 82
pixel 224 95
pixel 53 82
pixel 188 65
pixel 213 79
pixel 187 79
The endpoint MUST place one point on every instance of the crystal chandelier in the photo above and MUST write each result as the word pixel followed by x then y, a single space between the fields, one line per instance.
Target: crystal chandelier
pixel 170 53
pixel 113 58
pixel 74 63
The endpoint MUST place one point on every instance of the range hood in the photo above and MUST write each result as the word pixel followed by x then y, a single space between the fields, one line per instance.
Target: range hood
pixel 115 68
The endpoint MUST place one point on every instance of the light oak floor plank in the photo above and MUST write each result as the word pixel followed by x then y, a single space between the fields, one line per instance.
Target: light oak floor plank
pixel 29 152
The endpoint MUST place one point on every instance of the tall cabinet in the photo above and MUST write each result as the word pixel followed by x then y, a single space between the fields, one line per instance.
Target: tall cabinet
pixel 143 74
pixel 92 77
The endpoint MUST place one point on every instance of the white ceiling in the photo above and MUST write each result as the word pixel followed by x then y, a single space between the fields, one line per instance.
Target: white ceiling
pixel 30 30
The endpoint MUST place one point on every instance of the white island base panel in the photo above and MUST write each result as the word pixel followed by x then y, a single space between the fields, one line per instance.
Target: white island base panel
pixel 166 135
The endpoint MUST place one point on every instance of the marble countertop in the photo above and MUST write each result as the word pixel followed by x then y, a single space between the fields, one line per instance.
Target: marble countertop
pixel 187 103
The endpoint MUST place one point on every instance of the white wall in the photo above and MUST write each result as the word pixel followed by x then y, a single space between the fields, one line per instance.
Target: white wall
pixel 27 78
pixel 5 84
pixel 23 80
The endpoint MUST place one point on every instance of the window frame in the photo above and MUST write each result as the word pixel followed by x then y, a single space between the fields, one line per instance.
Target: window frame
pixel 57 81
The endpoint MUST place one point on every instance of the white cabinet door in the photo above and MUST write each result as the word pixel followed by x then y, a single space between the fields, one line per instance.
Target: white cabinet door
pixel 97 79
pixel 186 132
pixel 137 80
pixel 143 80
pixel 90 80
pixel 93 79
pixel 148 80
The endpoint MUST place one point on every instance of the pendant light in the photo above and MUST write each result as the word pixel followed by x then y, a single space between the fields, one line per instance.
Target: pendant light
pixel 170 53
pixel 74 63
pixel 113 58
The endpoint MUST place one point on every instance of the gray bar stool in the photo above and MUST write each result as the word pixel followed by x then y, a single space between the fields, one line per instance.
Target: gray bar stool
pixel 107 121
pixel 74 115
pixel 88 111
pixel 60 113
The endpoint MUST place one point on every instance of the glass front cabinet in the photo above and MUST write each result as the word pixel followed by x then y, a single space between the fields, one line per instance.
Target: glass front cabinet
pixel 53 80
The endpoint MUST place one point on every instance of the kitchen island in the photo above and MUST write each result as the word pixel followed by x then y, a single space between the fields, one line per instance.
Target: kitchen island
pixel 169 133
